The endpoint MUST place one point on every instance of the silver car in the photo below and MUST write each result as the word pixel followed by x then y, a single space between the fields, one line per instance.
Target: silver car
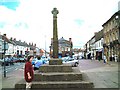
pixel 71 61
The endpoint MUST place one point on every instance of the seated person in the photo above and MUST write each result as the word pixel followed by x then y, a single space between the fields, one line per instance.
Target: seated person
pixel 38 63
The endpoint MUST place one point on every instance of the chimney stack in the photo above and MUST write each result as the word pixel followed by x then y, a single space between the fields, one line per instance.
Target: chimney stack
pixel 14 39
pixel 11 39
pixel 70 39
pixel 35 45
pixel 29 43
pixel 95 33
pixel 4 34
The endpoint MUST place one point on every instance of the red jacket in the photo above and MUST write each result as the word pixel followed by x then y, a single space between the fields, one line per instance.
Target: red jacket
pixel 28 68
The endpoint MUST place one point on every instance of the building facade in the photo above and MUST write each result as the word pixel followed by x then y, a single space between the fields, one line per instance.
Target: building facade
pixel 111 37
pixel 64 47
pixel 99 45
pixel 16 48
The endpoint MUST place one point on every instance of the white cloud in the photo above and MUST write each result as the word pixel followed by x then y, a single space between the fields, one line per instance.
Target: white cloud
pixel 35 19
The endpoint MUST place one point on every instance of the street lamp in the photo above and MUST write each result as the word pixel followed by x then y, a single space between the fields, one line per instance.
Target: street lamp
pixel 4 58
pixel 4 47
pixel 71 46
pixel 45 46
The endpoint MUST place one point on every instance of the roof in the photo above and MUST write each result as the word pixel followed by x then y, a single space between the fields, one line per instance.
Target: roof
pixel 99 35
pixel 113 16
pixel 64 43
pixel 20 43
pixel 6 39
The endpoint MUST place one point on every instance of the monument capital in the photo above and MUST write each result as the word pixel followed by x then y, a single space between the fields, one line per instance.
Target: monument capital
pixel 55 11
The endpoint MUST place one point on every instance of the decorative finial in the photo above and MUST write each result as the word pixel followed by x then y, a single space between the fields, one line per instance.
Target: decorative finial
pixel 55 11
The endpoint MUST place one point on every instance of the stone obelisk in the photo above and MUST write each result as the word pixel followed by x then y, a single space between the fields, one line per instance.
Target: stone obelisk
pixel 55 33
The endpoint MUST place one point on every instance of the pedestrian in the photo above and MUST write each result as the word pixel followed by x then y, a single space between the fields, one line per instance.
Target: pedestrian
pixel 105 59
pixel 99 57
pixel 115 58
pixel 28 72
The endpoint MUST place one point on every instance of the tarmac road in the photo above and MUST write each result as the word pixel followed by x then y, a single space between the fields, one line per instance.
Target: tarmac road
pixel 101 74
pixel 13 74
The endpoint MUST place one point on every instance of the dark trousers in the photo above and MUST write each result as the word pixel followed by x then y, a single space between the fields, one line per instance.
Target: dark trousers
pixel 35 68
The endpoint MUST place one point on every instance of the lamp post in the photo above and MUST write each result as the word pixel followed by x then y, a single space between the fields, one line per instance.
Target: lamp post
pixel 45 46
pixel 50 51
pixel 4 58
pixel 71 46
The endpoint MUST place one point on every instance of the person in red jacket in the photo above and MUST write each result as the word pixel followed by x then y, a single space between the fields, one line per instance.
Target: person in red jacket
pixel 28 72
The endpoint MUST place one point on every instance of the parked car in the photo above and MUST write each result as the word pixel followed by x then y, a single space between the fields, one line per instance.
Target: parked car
pixel 22 59
pixel 2 62
pixel 45 59
pixel 15 60
pixel 10 61
pixel 71 61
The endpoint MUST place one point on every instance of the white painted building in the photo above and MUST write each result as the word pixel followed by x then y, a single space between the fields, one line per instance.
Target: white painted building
pixel 10 50
pixel 99 47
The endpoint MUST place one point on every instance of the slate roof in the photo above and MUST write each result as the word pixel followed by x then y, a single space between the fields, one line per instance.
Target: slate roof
pixel 99 35
pixel 63 42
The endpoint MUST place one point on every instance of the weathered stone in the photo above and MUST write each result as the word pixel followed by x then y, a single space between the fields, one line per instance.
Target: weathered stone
pixel 55 61
pixel 55 68
pixel 55 33
pixel 20 85
pixel 56 85
pixel 62 84
pixel 57 76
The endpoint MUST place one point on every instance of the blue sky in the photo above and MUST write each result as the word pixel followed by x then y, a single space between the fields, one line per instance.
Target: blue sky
pixel 31 20
pixel 10 4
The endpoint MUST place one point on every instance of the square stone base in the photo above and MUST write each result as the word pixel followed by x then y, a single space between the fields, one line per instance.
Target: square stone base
pixel 55 61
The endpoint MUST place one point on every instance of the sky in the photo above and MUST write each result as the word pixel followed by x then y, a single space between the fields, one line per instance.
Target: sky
pixel 32 20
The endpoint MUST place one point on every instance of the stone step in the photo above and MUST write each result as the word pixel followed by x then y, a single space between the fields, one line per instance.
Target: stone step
pixel 70 76
pixel 55 61
pixel 55 68
pixel 62 85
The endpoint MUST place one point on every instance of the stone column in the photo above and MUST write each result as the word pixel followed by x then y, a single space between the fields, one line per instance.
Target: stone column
pixel 55 33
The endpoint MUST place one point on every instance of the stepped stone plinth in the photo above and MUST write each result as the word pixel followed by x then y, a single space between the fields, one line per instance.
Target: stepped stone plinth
pixel 57 77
